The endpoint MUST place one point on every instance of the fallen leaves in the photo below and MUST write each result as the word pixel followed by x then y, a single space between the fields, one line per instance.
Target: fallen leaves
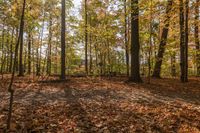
pixel 106 105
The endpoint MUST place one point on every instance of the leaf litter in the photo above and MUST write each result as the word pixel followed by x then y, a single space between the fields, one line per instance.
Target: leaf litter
pixel 102 105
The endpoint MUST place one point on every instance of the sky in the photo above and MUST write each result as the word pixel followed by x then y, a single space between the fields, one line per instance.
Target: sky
pixel 77 2
pixel 77 5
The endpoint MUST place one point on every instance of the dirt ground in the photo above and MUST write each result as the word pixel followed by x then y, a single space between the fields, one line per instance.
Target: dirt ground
pixel 101 105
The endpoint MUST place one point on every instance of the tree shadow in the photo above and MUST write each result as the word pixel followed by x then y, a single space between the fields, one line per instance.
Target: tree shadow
pixel 82 112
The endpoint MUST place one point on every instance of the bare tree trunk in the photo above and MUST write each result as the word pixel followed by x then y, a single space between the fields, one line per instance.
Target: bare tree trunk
pixel 49 47
pixel 173 64
pixel 86 38
pixel 135 44
pixel 21 69
pixel 186 38
pixel 161 50
pixel 91 59
pixel 197 43
pixel 183 40
pixel 29 53
pixel 11 51
pixel 2 48
pixel 150 45
pixel 13 71
pixel 126 38
pixel 62 77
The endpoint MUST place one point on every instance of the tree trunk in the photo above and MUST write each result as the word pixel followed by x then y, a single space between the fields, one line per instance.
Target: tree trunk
pixel 135 45
pixel 161 50
pixel 173 64
pixel 86 38
pixel 13 71
pixel 91 59
pixel 183 41
pixel 2 48
pixel 49 47
pixel 11 51
pixel 29 53
pixel 196 34
pixel 186 39
pixel 21 69
pixel 150 44
pixel 62 77
pixel 126 38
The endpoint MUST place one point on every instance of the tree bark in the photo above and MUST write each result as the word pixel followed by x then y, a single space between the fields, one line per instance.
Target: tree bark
pixel 196 34
pixel 186 38
pixel 29 53
pixel 183 39
pixel 135 45
pixel 10 89
pixel 62 76
pixel 163 41
pixel 21 69
pixel 86 38
pixel 11 51
pixel 126 38
pixel 49 47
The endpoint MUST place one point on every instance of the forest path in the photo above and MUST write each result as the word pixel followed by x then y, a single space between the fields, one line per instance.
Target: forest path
pixel 104 105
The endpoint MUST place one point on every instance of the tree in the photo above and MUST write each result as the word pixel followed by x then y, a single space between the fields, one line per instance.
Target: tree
pixel 126 38
pixel 135 44
pixel 196 34
pixel 161 49
pixel 21 69
pixel 86 38
pixel 183 40
pixel 10 89
pixel 186 38
pixel 62 77
pixel 49 46
pixel 29 53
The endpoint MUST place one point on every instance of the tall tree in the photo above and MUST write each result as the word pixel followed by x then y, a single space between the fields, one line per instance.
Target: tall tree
pixel 49 46
pixel 135 44
pixel 126 37
pixel 29 53
pixel 21 69
pixel 183 39
pixel 11 50
pixel 186 38
pixel 150 43
pixel 161 50
pixel 196 34
pixel 86 38
pixel 10 89
pixel 62 76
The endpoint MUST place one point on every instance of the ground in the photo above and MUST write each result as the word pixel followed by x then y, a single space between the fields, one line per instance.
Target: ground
pixel 101 105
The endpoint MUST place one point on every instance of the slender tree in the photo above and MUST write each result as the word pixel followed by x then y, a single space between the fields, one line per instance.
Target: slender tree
pixel 163 41
pixel 29 53
pixel 126 38
pixel 135 45
pixel 196 34
pixel 10 89
pixel 62 77
pixel 150 44
pixel 21 69
pixel 186 38
pixel 49 46
pixel 11 51
pixel 183 39
pixel 86 38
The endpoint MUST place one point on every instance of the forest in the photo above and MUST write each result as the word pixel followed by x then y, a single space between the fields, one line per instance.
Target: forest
pixel 99 66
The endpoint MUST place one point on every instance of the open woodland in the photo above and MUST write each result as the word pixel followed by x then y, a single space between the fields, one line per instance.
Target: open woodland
pixel 99 66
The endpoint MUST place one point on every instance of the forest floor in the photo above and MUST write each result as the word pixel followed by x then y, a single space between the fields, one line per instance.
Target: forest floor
pixel 102 105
